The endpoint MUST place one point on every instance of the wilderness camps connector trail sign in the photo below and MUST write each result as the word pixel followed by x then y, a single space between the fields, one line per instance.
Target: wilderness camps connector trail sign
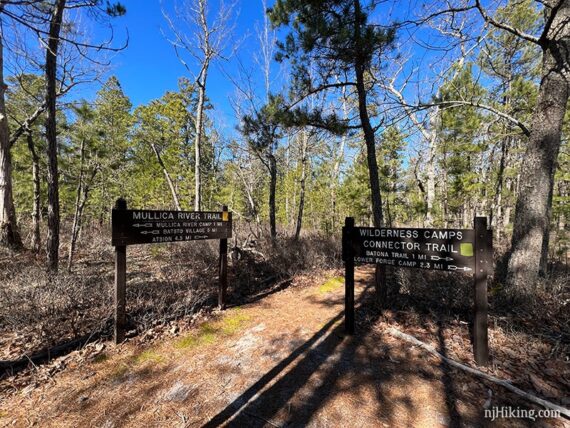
pixel 130 227
pixel 439 249
pixel 453 250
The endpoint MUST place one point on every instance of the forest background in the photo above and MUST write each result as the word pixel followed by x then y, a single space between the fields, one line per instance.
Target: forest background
pixel 395 113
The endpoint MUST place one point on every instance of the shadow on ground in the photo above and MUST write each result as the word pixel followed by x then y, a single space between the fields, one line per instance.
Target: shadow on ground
pixel 358 371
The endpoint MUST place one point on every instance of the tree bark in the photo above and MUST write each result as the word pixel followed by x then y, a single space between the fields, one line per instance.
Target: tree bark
pixel 430 188
pixel 302 185
pixel 532 221
pixel 78 219
pixel 198 139
pixel 272 191
pixel 287 168
pixel 9 234
pixel 36 209
pixel 51 136
pixel 173 192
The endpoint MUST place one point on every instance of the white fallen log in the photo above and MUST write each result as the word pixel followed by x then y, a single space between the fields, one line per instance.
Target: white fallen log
pixel 504 383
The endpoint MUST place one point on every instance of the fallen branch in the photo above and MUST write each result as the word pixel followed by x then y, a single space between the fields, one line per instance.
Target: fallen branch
pixel 50 353
pixel 505 384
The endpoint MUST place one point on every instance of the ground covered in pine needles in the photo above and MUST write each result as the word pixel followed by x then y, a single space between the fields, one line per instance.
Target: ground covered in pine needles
pixel 283 360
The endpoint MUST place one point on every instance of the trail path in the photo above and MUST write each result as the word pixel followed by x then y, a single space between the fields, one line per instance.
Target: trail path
pixel 283 360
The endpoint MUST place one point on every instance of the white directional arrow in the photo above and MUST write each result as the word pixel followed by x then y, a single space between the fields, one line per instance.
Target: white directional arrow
pixel 447 259
pixel 453 267
pixel 150 232
pixel 200 236
pixel 142 225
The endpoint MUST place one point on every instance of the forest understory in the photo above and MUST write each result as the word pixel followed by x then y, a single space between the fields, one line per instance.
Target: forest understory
pixel 171 291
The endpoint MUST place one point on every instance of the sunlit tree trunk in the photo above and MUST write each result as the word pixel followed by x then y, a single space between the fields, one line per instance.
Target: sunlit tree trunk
pixel 51 136
pixel 272 191
pixel 369 138
pixel 198 139
pixel 302 184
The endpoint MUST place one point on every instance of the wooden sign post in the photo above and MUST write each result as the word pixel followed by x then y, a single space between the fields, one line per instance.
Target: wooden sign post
pixel 223 269
pixel 348 258
pixel 451 250
pixel 130 227
pixel 483 260
pixel 120 283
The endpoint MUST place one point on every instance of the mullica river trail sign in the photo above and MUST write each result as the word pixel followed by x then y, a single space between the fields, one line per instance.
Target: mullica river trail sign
pixel 149 227
pixel 467 251
pixel 130 227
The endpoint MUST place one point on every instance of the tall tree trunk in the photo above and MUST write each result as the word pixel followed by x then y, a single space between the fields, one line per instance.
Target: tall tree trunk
pixel 51 137
pixel 198 139
pixel 173 192
pixel 78 219
pixel 9 234
pixel 272 191
pixel 445 199
pixel 432 150
pixel 75 226
pixel 36 215
pixel 287 166
pixel 302 185
pixel 532 221
pixel 370 151
pixel 359 67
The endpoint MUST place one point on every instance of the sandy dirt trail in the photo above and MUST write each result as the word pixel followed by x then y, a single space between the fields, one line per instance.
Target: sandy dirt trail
pixel 283 360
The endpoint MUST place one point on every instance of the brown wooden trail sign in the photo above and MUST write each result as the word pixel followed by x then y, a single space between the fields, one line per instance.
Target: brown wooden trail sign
pixel 130 227
pixel 453 250
pixel 150 226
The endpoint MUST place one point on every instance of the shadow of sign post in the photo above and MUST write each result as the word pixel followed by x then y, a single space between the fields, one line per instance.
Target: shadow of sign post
pixel 467 251
pixel 132 227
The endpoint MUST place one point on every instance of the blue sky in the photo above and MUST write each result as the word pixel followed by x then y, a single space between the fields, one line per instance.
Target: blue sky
pixel 148 66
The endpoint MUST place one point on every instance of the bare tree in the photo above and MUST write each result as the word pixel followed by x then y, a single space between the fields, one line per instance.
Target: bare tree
pixel 205 40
